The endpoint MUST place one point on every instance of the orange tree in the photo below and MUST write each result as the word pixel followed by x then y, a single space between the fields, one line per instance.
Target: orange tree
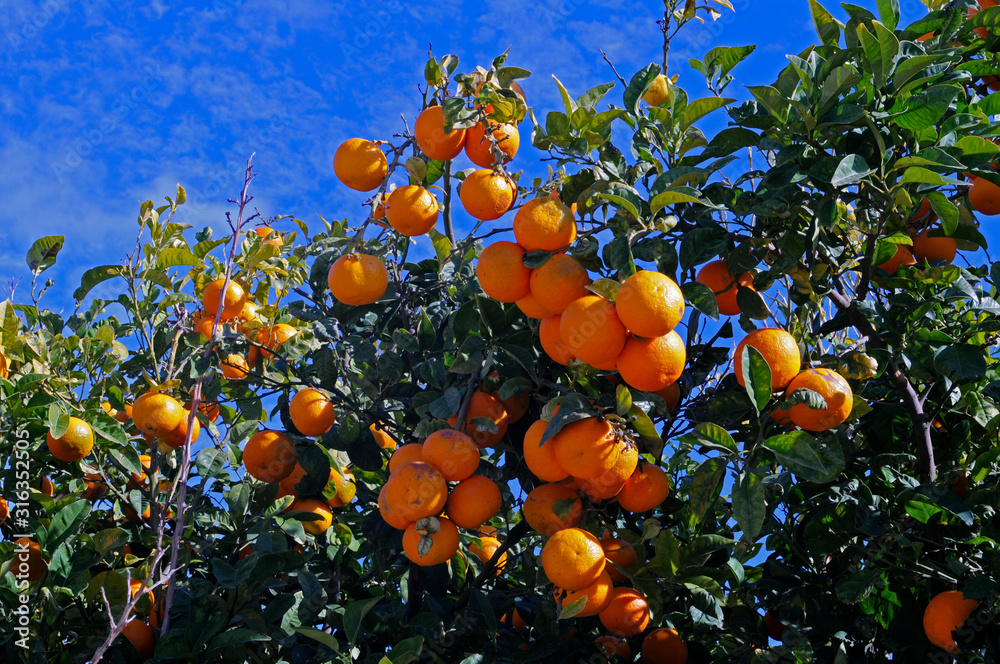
pixel 537 442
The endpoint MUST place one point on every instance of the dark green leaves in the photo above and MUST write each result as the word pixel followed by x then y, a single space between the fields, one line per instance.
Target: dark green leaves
pixel 960 362
pixel 812 459
pixel 638 85
pixel 354 614
pixel 94 276
pixel 827 27
pixel 42 254
pixel 701 298
pixel 756 377
pixel 749 505
pixel 851 170
pixel 926 109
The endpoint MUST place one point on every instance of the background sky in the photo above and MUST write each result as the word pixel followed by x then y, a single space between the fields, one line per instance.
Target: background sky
pixel 106 104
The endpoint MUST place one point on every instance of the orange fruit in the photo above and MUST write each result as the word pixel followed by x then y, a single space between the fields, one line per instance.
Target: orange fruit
pixel 430 541
pixel 314 506
pixel 416 490
pixel 671 395
pixel 550 508
pixel 652 364
pixel 388 515
pixel 157 414
pixel 516 405
pixel 551 340
pixel 4 366
pixel 647 487
pixel 274 337
pixel 586 448
pixel 268 236
pixel 903 256
pixel 610 482
pixel 269 456
pixel 502 273
pixel 544 224
pixel 141 636
pixel 46 486
pixel 27 562
pixel 649 304
pixel 621 553
pixel 412 210
pixel 234 367
pixel 357 279
pixel 573 559
pixel 73 445
pixel 312 412
pixel 659 92
pixel 428 130
pixel 590 328
pixel 177 437
pixel 382 437
pixel 249 314
pixel 451 452
pixel 122 416
pixel 983 33
pixel 209 409
pixel 360 164
pixel 485 550
pixel 232 304
pixel 474 501
pixel 613 646
pixel 487 195
pixel 479 150
pixel 378 204
pixel 96 489
pixel 716 276
pixel 488 406
pixel 934 248
pixel 944 614
pixel 531 308
pixel 405 454
pixel 780 351
pixel 541 459
pixel 598 596
pixel 664 646
pixel 345 486
pixel 833 388
pixel 627 614
pixel 558 282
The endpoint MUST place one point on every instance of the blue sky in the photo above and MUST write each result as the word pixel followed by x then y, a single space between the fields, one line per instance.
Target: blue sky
pixel 108 104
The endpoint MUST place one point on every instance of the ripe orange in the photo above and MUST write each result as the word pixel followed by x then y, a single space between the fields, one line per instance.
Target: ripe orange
pixel 274 337
pixel 345 485
pixel 249 314
pixel 609 483
pixel 451 452
pixel 141 636
pixel 627 614
pixel 209 409
pixel 590 328
pixel 269 456
pixel 586 448
pixel 598 596
pixel 649 304
pixel 314 506
pixel 27 562
pixel 388 515
pixel 428 130
pixel 944 614
pixel 479 150
pixel 430 541
pixel 619 552
pixel 934 248
pixel 4 510
pixel 613 646
pixel 487 195
pixel 488 406
pixel 177 437
pixel 485 550
pixel 412 210
pixel 780 351
pixel 833 388
pixel 416 490
pixel 648 486
pixel 983 33
pixel 716 276
pixel 984 196
pixel 550 508
pixel 357 279
pixel 46 486
pixel 541 459
pixel 531 308
pixel 120 415
pixel 671 395
pixel 551 340
pixel 234 367
pixel 516 405
pixel 96 489
pixel 559 281
pixel 312 412
pixel 75 444
pixel 405 454
pixel 652 364
pixel 232 304
pixel 268 235
pixel 903 256
pixel 205 326
pixel 474 501
pixel 544 224
pixel 502 273
pixel 659 92
pixel 360 164
pixel 4 366
pixel 573 559
pixel 382 437
pixel 664 646
pixel 157 414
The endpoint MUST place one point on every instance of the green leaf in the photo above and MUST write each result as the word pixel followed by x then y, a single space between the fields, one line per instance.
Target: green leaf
pixel 704 485
pixel 927 108
pixel 649 437
pixel 752 303
pixel 699 108
pixel 671 197
pixel 880 50
pixel 851 170
pixel 756 377
pixel 42 254
pixel 58 421
pixel 238 635
pixel 749 505
pixel 66 523
pixel 714 436
pixel 960 362
pixel 94 276
pixel 623 399
pixel 354 614
pixel 858 586
pixel 638 86
pixel 701 297
pixel 407 650
pixel 174 256
pixel 812 459
pixel 888 11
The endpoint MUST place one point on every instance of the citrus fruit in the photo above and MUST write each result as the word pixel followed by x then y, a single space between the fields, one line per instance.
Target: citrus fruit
pixel 619 552
pixel 933 249
pixel 572 559
pixel 550 508
pixel 586 448
pixel 541 459
pixel 658 92
pixel 944 614
pixel 388 515
pixel 835 391
pixel 649 304
pixel 559 281
pixel 984 196
pixel 780 351
pixel 474 501
pixel 502 273
pixel 314 506
pixel 903 256
pixel 382 437
pixel 615 647
pixel 488 406
pixel 27 562
pixel 479 149
pixel 551 340
pixel 485 550
pixel 430 541
pixel 177 437
pixel 531 308
pixel 627 614
pixel 646 488
pixel 157 414
pixel 357 279
pixel 416 490
pixel 610 482
pixel 664 646
pixel 487 195
pixel 141 636
pixel 274 337
pixel 232 304
pixel 451 452
pixel 652 364
pixel 591 330
pixel 405 454
pixel 74 444
pixel 716 276
pixel 597 594
pixel 775 629
pixel 412 210
pixel 360 164
pixel 312 412
pixel 671 395
pixel 269 456
pixel 234 366
pixel 544 224
pixel 428 130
